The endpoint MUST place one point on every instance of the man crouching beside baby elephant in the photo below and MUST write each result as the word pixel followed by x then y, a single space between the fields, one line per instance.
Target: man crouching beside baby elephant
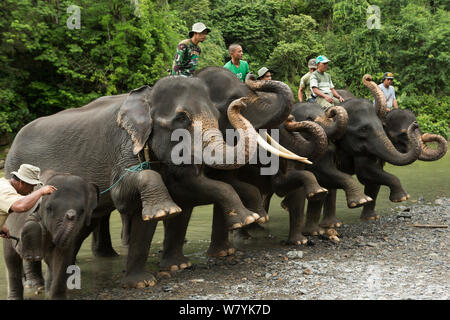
pixel 49 231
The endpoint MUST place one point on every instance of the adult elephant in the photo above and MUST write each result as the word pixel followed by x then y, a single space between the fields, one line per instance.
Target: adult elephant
pixel 189 185
pixel 102 139
pixel 365 146
pixel 396 123
pixel 254 188
pixel 325 168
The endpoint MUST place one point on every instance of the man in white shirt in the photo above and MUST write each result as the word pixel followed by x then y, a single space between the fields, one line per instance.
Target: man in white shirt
pixel 389 91
pixel 17 195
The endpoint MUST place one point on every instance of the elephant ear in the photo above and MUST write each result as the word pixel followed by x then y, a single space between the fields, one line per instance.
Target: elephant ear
pixel 92 201
pixel 134 117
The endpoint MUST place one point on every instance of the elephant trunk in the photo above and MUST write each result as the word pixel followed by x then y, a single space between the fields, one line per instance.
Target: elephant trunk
pixel 65 229
pixel 308 138
pixel 389 153
pixel 380 98
pixel 215 149
pixel 284 96
pixel 429 154
pixel 219 155
pixel 334 122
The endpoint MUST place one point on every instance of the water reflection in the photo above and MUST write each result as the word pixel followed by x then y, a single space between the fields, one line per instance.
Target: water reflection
pixel 423 180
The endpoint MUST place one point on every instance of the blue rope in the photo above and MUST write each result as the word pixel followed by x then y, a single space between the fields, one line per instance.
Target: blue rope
pixel 137 168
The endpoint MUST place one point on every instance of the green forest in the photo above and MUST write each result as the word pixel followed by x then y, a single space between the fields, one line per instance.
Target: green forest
pixel 59 54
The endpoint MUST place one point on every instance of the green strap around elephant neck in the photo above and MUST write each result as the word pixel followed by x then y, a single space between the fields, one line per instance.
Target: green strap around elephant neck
pixel 145 165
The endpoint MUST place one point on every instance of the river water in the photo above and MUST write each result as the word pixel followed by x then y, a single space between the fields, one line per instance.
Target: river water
pixel 424 181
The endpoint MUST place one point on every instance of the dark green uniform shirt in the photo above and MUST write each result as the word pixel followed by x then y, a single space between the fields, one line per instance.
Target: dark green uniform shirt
pixel 186 58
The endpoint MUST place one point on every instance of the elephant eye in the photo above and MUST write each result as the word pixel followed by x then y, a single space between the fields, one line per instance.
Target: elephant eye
pixel 182 118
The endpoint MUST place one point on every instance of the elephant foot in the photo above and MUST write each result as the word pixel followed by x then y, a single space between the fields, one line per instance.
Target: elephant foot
pixel 312 230
pixel 236 220
pixel 31 237
pixel 330 222
pixel 355 202
pixel 139 280
pixel 174 263
pixel 263 217
pixel 369 215
pixel 399 196
pixel 160 210
pixel 220 251
pixel 296 240
pixel 316 195
pixel 35 283
pixel 331 234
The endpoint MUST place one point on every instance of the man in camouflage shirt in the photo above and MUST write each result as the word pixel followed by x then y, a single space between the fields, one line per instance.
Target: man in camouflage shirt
pixel 188 51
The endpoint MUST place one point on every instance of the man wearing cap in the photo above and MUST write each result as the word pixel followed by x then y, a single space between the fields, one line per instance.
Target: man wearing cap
pixel 321 85
pixel 389 91
pixel 236 65
pixel 304 82
pixel 17 195
pixel 264 74
pixel 188 51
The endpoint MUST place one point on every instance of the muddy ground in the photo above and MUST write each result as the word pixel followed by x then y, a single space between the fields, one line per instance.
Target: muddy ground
pixel 392 258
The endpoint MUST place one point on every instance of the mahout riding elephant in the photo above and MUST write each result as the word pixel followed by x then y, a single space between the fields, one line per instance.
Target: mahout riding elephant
pixel 111 134
pixel 61 216
pixel 396 123
pixel 365 145
pixel 359 150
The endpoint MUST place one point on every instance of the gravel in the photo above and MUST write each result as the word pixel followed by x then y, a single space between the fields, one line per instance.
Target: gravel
pixel 386 259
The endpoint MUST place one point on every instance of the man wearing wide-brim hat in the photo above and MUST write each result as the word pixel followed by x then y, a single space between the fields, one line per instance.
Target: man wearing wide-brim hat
pixel 17 195
pixel 264 74
pixel 188 51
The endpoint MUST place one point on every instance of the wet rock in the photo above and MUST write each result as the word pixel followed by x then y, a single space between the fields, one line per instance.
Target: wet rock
pixel 295 254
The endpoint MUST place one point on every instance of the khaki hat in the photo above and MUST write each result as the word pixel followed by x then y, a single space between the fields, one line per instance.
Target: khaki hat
pixel 312 64
pixel 262 72
pixel 199 28
pixel 28 173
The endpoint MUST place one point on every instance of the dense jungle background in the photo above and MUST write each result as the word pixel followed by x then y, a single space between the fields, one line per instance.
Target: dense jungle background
pixel 49 65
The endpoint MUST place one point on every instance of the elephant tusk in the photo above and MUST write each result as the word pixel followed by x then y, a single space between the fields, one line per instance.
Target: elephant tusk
pixel 277 145
pixel 263 143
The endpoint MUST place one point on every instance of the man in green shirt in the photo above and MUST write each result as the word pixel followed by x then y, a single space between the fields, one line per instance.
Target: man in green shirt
pixel 304 82
pixel 322 86
pixel 188 51
pixel 236 65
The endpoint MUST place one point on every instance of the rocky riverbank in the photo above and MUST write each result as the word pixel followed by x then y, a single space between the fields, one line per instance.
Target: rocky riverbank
pixel 405 255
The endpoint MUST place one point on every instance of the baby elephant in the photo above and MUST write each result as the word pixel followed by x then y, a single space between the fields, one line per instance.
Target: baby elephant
pixel 50 232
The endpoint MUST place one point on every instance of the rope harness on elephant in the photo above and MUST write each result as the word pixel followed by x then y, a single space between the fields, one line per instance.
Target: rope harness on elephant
pixel 143 165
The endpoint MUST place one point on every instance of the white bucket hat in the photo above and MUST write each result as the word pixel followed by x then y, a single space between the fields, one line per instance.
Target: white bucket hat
pixel 199 28
pixel 263 71
pixel 28 173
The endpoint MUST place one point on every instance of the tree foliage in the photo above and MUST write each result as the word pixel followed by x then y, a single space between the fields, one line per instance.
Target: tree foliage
pixel 123 44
